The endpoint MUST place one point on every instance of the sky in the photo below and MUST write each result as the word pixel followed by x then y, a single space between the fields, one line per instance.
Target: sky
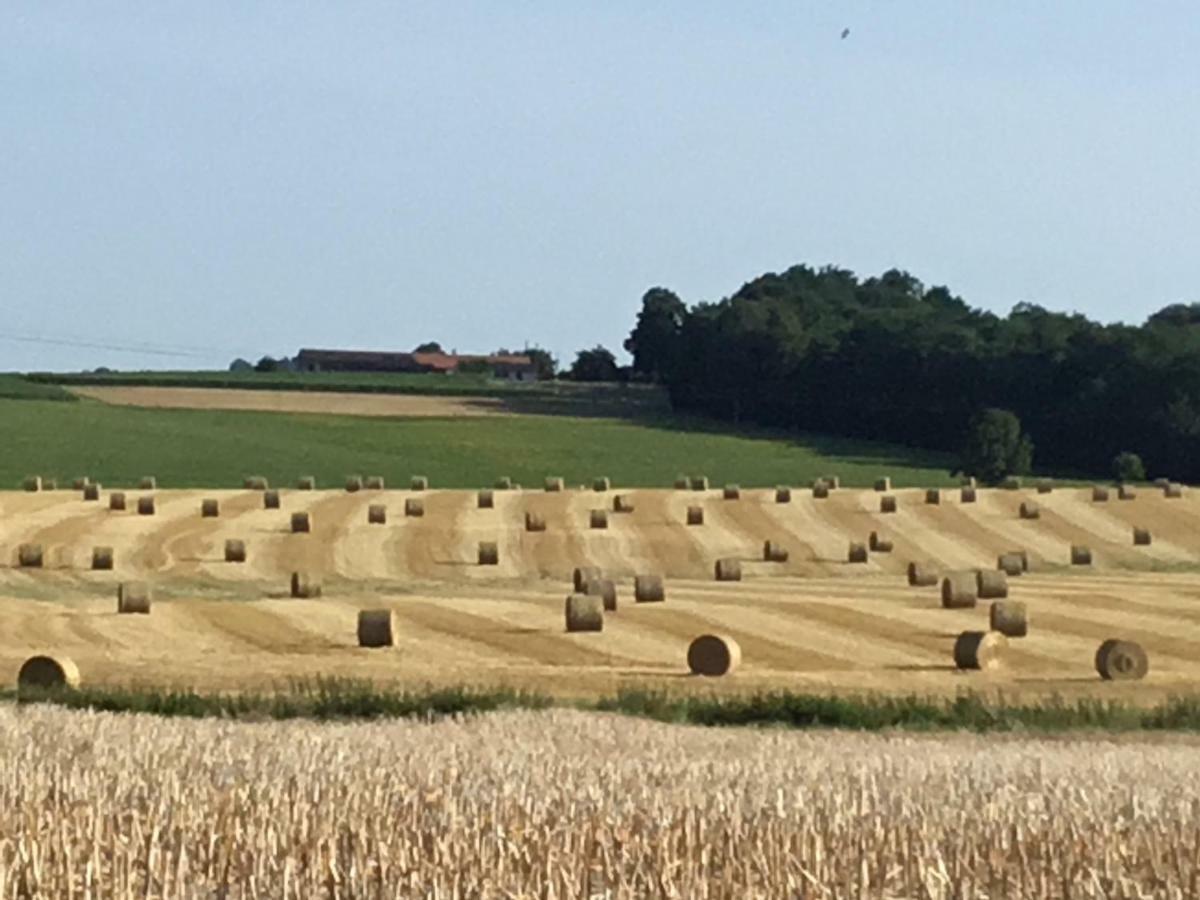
pixel 184 183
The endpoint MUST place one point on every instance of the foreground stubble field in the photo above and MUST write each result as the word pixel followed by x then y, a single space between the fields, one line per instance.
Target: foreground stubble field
pixel 566 804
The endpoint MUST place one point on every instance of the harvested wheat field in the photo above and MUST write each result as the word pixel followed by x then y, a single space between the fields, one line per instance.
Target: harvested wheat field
pixel 566 804
pixel 812 622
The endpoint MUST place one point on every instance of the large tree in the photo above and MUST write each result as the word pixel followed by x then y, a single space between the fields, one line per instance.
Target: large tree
pixel 654 342
pixel 995 446
pixel 597 364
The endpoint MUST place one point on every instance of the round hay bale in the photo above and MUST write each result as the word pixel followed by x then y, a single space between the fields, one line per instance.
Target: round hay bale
pixel 1080 555
pixel 270 499
pixel 1024 555
pixel 834 482
pixel 210 508
pixel 820 490
pixel 857 553
pixel 1161 482
pixel 376 628
pixel 681 482
pixel 80 483
pixel 301 523
pixel 255 483
pixel 699 482
pixel 145 506
pixel 354 483
pixel 30 556
pixel 503 483
pixel 1009 617
pixel 1010 564
pixel 1030 510
pixel 1126 492
pixel 1099 494
pixel 1012 483
pixel 489 553
pixel 1141 537
pixel 773 552
pixel 783 494
pixel 921 575
pixel 877 544
pixel 418 483
pixel 535 521
pixel 695 515
pixel 102 559
pixel 713 655
pixel 979 650
pixel 933 497
pixel 967 495
pixel 622 503
pixel 47 673
pixel 1045 486
pixel 116 501
pixel 883 484
pixel 554 484
pixel 148 483
pixel 374 483
pixel 91 491
pixel 376 514
pixel 32 484
pixel 486 499
pixel 583 575
pixel 605 589
pixel 133 597
pixel 648 589
pixel 959 590
pixel 601 484
pixel 727 570
pixel 1119 660
pixel 585 612
pixel 992 584
pixel 235 551
pixel 598 518
pixel 306 483
pixel 1173 491
pixel 887 503
pixel 732 492
pixel 305 586
pixel 414 507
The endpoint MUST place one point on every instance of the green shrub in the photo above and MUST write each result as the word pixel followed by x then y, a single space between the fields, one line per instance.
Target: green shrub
pixel 1128 467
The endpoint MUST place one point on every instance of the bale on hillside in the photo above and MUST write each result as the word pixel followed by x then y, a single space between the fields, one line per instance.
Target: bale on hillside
pixel 1099 494
pixel 486 499
pixel 1010 564
pixel 681 482
pixel 584 612
pixel 1045 486
pixel 148 483
pixel 305 586
pixel 1009 617
pixel 695 515
pixel 81 482
pixel 887 503
pixel 732 492
pixel 102 559
pixel 1141 537
pixel 967 495
pixel 374 483
pixel 773 552
pixel 47 673
pixel 354 483
pixel 1030 510
pixel 602 483
pixel 783 494
pixel 713 655
pixel 1118 660
pixel 584 574
pixel 992 584
pixel 598 518
pixel 255 483
pixel 820 490
pixel 1126 492
pixel 921 575
pixel 210 508
pixel 116 501
pixel 857 553
pixel 979 650
pixel 33 483
pixel 605 589
pixel 554 483
pixel 878 544
pixel 306 483
pixel 699 482
pixel 414 507
pixel 622 503
pixel 648 589
pixel 1080 555
pixel 235 551
pixel 503 483
pixel 133 598
pixel 1024 557
pixel 376 628
pixel 959 590
pixel 534 521
pixel 1173 491
pixel 727 570
pixel 30 556
pixel 1161 482
pixel 418 483
pixel 1012 483
pixel 270 499
pixel 145 506
pixel 933 497
pixel 489 553
pixel 91 491
pixel 301 523
pixel 883 484
pixel 376 514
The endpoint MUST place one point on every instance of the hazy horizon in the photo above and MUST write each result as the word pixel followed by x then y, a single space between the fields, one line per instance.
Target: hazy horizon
pixel 205 182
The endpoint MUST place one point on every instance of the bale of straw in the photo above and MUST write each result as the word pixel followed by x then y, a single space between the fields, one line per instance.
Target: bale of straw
pixel 1099 494
pixel 489 553
pixel 376 514
pixel 30 556
pixel 301 522
pixel 773 552
pixel 605 589
pixel 713 655
pixel 921 575
pixel 1173 491
pixel 1141 537
pixel 1080 555
pixel 354 483
pixel 102 559
pixel 959 590
pixel 933 497
pixel 1045 486
pixel 883 484
pixel 1118 660
pixel 979 650
pixel 834 482
pixel 857 553
pixel 878 544
pixel 1010 564
pixel 622 503
pixel 486 499
pixel 503 483
pixel 145 506
pixel 598 518
pixel 116 501
pixel 695 515
pixel 235 551
pixel 1012 483
pixel 535 521
pixel 32 484
pixel 414 507
pixel 133 598
pixel 887 503
pixel 47 673
pixel 255 483
pixel 649 589
pixel 1126 492
pixel 210 508
pixel 584 612
pixel 584 574
pixel 305 586
pixel 992 584
pixel 376 628
pixel 1024 556
pixel 80 483
pixel 554 483
pixel 820 490
pixel 1030 510
pixel 91 491
pixel 681 482
pixel 601 483
pixel 967 495
pixel 783 494
pixel 698 482
pixel 1161 482
pixel 373 483
pixel 148 483
pixel 727 570
pixel 732 492
pixel 270 499
pixel 418 483
pixel 306 483
pixel 1009 617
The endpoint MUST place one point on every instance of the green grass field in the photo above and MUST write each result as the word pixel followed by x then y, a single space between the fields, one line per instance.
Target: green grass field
pixel 17 387
pixel 191 448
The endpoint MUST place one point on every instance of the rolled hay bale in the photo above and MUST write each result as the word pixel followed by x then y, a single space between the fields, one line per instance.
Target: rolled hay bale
pixel 535 521
pixel 1080 555
pixel 354 483
pixel 1010 564
pixel 933 497
pixel 32 484
pixel 1009 617
pixel 959 590
pixel 820 490
pixel 1141 537
pixel 503 483
pixel 1118 660
pixel 1024 556
pixel 418 483
pixel 414 507
pixel 305 586
pixel 601 483
pixel 921 575
pixel 80 483
pixel 145 506
pixel 883 484
pixel 834 482
pixel 698 482
pixel 585 612
pixel 210 508
pixel 713 655
pixel 605 589
pixel 306 483
pixel 1126 492
pixel 979 650
pixel 376 514
pixel 31 556
pixel 116 501
pixel 783 494
pixel 1161 482
pixel 301 522
pixel 1099 494
pixel 373 483
pixel 695 515
pixel 584 574
pixel 255 483
pixel 271 499
pixel 1011 483
pixel 148 483
pixel 1173 491
pixel 887 503
pixel 133 597
pixel 489 553
pixel 91 491
pixel 967 495
pixel 992 584
pixel 681 482
pixel 486 499
pixel 727 570
pixel 47 673
pixel 554 484
pixel 1030 510
pixel 773 552
pixel 857 553
pixel 732 492
pixel 878 544
pixel 235 551
pixel 1045 486
pixel 598 518
pixel 102 559
pixel 376 628
pixel 622 503
pixel 649 589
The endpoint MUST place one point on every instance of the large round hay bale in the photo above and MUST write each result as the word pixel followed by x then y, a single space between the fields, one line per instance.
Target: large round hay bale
pixel 992 584
pixel 235 551
pixel 270 499
pixel 598 518
pixel 486 499
pixel 414 507
pixel 47 673
pixel 33 484
pixel 354 483
pixel 887 503
pixel 1126 492
pixel 699 482
pixel 255 483
pixel 116 501
pixel 1009 617
pixel 857 553
pixel 681 482
pixel 91 491
pixel 534 521
pixel 1161 482
pixel 649 589
pixel 783 494
pixel 820 490
pixel 1030 510
pixel 921 575
pixel 585 612
pixel 1010 564
pixel 1173 491
pixel 602 483
pixel 302 523
pixel 773 552
pixel 373 483
pixel 959 590
pixel 30 556
pixel 731 492
pixel 1141 537
pixel 933 497
pixel 1045 486
pixel 1099 494
pixel 1080 555
pixel 148 483
pixel 376 514
pixel 376 628
pixel 145 506
pixel 727 570
pixel 489 553
pixel 1024 555
pixel 1118 660
pixel 622 503
pixel 583 575
pixel 102 559
pixel 979 650
pixel 834 481
pixel 306 483
pixel 883 484
pixel 133 597
pixel 967 495
pixel 878 544
pixel 305 586
pixel 210 508
pixel 695 515
pixel 605 589
pixel 1011 483
pixel 554 483
pixel 713 655
pixel 418 483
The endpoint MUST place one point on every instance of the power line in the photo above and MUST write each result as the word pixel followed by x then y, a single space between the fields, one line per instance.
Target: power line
pixel 145 349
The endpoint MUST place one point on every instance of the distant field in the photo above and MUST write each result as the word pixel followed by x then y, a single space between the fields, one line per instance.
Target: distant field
pixel 17 387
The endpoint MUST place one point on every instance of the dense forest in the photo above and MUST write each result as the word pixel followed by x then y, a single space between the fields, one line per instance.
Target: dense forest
pixel 887 358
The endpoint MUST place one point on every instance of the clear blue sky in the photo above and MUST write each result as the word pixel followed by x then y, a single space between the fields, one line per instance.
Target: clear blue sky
pixel 248 178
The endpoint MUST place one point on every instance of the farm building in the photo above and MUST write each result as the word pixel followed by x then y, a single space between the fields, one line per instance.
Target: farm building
pixel 512 367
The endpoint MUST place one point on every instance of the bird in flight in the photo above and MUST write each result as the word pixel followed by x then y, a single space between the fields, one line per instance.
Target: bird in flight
pixel 845 33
